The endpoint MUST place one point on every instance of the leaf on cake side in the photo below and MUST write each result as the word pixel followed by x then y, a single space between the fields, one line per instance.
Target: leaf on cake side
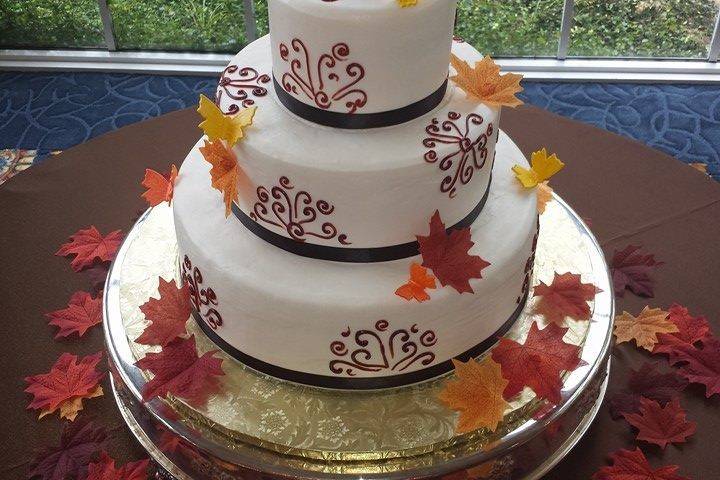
pixel 160 188
pixel 225 171
pixel 420 281
pixel 218 126
pixel 542 168
pixel 485 83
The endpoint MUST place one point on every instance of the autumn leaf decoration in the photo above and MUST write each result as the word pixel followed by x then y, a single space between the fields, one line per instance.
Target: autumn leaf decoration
pixel 83 311
pixel 644 328
pixel 105 469
pixel 661 425
pixel 632 465
pixel 407 3
pixel 218 126
pixel 566 296
pixel 477 393
pixel 631 269
pixel 691 330
pixel 160 188
pixel 542 167
pixel 485 83
pixel 420 281
pixel 89 246
pixel 167 314
pixel 544 196
pixel 225 171
pixel 646 382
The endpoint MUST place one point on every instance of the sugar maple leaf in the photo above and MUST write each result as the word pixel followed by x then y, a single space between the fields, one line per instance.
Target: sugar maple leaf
pixel 407 3
pixel 544 196
pixel 179 371
pixel 160 188
pixel 168 314
pixel 477 394
pixel 89 245
pixel 485 83
pixel 700 365
pixel 218 126
pixel 420 280
pixel 105 469
pixel 538 362
pixel 225 171
pixel 446 254
pixel 67 380
pixel 82 312
pixel 646 382
pixel 691 330
pixel 644 328
pixel 565 296
pixel 542 167
pixel 632 270
pixel 79 441
pixel 632 465
pixel 661 425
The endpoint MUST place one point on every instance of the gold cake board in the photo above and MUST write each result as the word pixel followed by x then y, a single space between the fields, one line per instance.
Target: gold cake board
pixel 261 427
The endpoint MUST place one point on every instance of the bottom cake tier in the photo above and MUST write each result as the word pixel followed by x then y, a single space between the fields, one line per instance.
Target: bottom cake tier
pixel 341 325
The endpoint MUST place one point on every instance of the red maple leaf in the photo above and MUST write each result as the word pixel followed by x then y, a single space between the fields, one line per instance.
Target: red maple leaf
pixel 661 425
pixel 79 441
pixel 646 382
pixel 632 465
pixel 565 296
pixel 446 254
pixel 691 330
pixel 537 363
pixel 168 314
pixel 631 269
pixel 105 469
pixel 159 187
pixel 180 372
pixel 82 312
pixel 66 379
pixel 88 245
pixel 700 365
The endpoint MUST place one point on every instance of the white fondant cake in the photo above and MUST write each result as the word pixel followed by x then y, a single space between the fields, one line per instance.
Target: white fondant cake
pixel 357 141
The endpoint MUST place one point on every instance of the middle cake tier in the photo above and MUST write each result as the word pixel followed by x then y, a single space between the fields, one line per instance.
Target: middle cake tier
pixel 341 325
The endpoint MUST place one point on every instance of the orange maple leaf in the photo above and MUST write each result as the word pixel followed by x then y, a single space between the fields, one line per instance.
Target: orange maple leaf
pixel 420 279
pixel 477 394
pixel 544 195
pixel 565 296
pixel 225 171
pixel 644 328
pixel 485 83
pixel 159 187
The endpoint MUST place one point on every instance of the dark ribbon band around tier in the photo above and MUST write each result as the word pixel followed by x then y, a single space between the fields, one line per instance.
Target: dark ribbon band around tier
pixel 366 383
pixel 360 120
pixel 348 254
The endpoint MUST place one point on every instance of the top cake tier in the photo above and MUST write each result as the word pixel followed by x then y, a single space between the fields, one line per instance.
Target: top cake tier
pixel 359 63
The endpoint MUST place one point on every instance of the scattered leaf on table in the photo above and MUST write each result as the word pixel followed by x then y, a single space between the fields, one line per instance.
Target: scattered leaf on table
pixel 691 330
pixel 537 363
pixel 82 312
pixel 632 465
pixel 89 245
pixel 700 365
pixel 446 254
pixel 644 328
pixel 105 469
pixel 225 171
pixel 661 425
pixel 700 167
pixel 96 276
pixel 79 442
pixel 646 382
pixel 67 380
pixel 477 393
pixel 485 83
pixel 179 371
pixel 218 126
pixel 544 195
pixel 69 409
pixel 632 270
pixel 160 188
pixel 542 167
pixel 168 314
pixel 565 296
pixel 420 280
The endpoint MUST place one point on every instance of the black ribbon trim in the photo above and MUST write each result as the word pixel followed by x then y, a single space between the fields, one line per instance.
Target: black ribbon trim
pixel 367 383
pixel 356 121
pixel 349 254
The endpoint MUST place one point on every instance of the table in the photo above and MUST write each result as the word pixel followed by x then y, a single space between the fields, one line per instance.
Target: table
pixel 630 193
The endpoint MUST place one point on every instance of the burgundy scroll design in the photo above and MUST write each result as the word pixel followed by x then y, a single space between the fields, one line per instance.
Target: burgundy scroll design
pixel 458 39
pixel 379 349
pixel 201 297
pixel 469 150
pixel 323 84
pixel 295 213
pixel 529 265
pixel 238 83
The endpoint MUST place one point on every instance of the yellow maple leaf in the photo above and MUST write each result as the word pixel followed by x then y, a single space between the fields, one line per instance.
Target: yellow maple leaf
pixel 407 3
pixel 485 83
pixel 644 328
pixel 218 126
pixel 476 394
pixel 541 169
pixel 70 408
pixel 225 171
pixel 544 195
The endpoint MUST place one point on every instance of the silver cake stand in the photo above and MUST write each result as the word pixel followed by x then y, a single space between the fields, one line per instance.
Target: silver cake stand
pixel 263 428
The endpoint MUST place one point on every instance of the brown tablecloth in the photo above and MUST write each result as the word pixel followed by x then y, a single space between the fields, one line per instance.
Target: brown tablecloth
pixel 630 194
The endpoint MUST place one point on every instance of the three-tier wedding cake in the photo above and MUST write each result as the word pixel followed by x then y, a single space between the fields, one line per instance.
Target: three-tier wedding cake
pixel 373 229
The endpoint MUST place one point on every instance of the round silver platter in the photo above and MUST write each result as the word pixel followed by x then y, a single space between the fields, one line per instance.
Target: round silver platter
pixel 263 428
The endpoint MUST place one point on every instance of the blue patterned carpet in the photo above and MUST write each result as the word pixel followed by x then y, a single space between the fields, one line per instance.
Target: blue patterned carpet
pixel 56 111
